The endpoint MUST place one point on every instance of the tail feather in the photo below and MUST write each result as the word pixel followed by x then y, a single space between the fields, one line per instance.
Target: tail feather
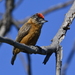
pixel 13 59
pixel 15 52
pixel 47 58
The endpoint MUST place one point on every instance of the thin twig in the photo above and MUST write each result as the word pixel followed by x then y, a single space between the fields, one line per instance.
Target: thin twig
pixel 26 67
pixel 23 62
pixel 29 64
pixel 57 7
pixel 47 11
pixel 70 56
pixel 16 24
pixel 18 3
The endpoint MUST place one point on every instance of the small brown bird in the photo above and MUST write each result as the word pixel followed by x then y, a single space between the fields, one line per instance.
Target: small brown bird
pixel 29 33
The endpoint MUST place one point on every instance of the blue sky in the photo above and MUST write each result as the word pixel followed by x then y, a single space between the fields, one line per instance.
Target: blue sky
pixel 55 20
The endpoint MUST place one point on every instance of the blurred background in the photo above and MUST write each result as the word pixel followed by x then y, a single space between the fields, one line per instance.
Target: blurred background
pixel 16 17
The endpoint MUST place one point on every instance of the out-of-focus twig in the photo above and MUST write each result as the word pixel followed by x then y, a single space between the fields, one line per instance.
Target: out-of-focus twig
pixel 18 3
pixel 16 24
pixel 57 7
pixel 70 56
pixel 47 11
pixel 1 14
pixel 6 21
pixel 1 1
pixel 23 62
pixel 29 64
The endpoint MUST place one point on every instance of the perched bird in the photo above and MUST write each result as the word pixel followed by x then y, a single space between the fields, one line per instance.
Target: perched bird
pixel 29 33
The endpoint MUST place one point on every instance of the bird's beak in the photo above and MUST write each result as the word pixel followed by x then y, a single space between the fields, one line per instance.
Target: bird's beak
pixel 43 21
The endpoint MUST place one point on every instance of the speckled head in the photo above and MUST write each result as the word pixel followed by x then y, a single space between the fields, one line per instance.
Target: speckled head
pixel 38 18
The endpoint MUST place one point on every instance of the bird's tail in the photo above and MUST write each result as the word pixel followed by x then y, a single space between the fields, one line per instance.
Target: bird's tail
pixel 46 58
pixel 15 52
pixel 13 59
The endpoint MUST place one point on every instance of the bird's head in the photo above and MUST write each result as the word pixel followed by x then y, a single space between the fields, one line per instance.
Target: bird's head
pixel 38 18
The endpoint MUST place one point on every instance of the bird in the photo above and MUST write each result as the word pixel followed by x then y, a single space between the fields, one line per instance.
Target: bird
pixel 29 33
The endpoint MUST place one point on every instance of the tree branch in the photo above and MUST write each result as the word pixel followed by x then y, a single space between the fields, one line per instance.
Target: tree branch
pixel 29 65
pixel 18 3
pixel 58 60
pixel 63 29
pixel 54 47
pixel 45 12
pixel 28 49
pixel 24 64
pixel 55 42
pixel 57 7
pixel 6 21
pixel 68 20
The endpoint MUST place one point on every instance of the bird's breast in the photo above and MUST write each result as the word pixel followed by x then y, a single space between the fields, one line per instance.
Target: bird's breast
pixel 32 37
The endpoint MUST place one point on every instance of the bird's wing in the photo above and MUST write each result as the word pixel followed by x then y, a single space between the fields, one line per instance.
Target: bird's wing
pixel 23 32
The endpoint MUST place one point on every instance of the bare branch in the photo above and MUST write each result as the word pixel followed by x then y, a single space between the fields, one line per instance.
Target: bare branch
pixel 57 7
pixel 68 20
pixel 20 21
pixel 18 3
pixel 26 66
pixel 29 49
pixel 54 47
pixel 23 62
pixel 55 42
pixel 47 11
pixel 1 0
pixel 58 60
pixel 1 14
pixel 6 21
pixel 29 64
pixel 16 24
pixel 63 29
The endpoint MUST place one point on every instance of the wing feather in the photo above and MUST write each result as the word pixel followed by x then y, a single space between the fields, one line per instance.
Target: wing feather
pixel 23 32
